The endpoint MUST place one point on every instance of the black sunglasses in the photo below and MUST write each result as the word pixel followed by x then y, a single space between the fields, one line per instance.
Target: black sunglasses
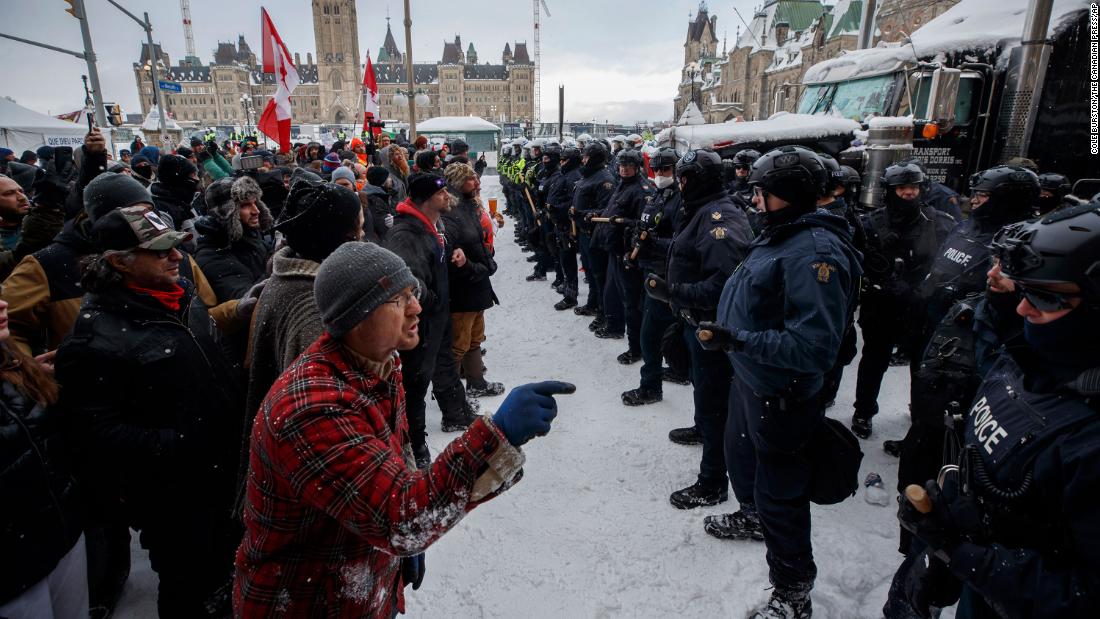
pixel 1046 300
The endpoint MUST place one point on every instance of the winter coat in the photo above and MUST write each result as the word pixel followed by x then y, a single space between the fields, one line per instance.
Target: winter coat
pixel 231 256
pixel 41 518
pixel 217 167
pixel 334 497
pixel 660 219
pixel 43 292
pixel 400 183
pixel 591 194
pixel 470 285
pixel 959 267
pixel 711 241
pixel 176 203
pixel 378 207
pixel 154 403
pixel 630 196
pixel 428 256
pixel 898 256
pixel 789 304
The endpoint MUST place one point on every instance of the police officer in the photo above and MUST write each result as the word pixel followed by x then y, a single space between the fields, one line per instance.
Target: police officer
pixel 590 197
pixel 781 318
pixel 850 188
pixel 902 241
pixel 1013 528
pixel 739 189
pixel 560 200
pixel 1053 189
pixel 652 239
pixel 622 300
pixel 710 241
pixel 937 195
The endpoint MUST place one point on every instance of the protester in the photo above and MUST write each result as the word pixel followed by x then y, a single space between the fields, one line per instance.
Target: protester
pixel 231 247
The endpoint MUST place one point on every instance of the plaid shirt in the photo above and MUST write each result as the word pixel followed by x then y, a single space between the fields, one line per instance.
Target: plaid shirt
pixel 333 497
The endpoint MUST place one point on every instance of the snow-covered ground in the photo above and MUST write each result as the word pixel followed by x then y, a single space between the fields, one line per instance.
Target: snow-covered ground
pixel 589 531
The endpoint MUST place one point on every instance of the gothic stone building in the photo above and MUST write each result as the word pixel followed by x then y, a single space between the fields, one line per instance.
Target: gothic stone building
pixel 763 72
pixel 331 83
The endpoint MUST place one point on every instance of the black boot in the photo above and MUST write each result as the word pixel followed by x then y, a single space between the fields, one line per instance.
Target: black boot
pixel 698 495
pixel 532 258
pixel 743 524
pixel 422 455
pixel 629 357
pixel 597 323
pixel 474 369
pixel 537 276
pixel 457 412
pixel 892 448
pixel 585 310
pixel 861 425
pixel 785 604
pixel 686 436
pixel 565 304
pixel 604 334
pixel 668 375
pixel 640 397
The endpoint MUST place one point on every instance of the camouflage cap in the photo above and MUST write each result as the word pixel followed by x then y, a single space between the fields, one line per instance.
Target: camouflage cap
pixel 135 227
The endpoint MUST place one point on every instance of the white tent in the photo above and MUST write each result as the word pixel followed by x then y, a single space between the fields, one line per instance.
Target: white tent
pixel 447 124
pixel 23 129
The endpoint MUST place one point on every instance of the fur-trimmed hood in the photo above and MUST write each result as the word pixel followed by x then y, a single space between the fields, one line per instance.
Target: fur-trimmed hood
pixel 222 199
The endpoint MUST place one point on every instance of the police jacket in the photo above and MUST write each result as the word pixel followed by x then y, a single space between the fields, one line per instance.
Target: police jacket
pixel 713 238
pixel 545 183
pixel 627 202
pixel 470 288
pixel 41 519
pixel 660 220
pixel 1037 555
pixel 959 267
pixel 840 207
pixel 592 193
pixel 559 196
pixel 899 253
pixel 789 303
pixel 155 404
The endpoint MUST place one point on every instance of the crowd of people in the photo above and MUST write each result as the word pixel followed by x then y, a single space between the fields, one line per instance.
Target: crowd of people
pixel 230 351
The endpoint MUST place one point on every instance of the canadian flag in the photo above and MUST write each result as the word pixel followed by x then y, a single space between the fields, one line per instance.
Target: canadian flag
pixel 275 121
pixel 370 98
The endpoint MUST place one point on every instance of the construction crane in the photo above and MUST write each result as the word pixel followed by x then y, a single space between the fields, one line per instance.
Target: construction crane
pixel 188 34
pixel 538 58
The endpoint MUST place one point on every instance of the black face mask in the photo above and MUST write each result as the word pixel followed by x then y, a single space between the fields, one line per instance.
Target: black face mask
pixel 774 219
pixel 901 210
pixel 1069 342
pixel 1048 204
pixel 187 185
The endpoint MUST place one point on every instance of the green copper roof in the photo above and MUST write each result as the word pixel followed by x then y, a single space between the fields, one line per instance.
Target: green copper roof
pixel 383 55
pixel 848 22
pixel 799 14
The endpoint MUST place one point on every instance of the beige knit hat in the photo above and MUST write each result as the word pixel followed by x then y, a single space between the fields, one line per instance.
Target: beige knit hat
pixel 457 174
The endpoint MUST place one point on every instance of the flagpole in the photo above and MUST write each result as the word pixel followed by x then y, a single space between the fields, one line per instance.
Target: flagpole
pixel 409 73
pixel 359 101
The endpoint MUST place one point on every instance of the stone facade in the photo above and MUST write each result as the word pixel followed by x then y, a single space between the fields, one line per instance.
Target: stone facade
pixel 762 73
pixel 331 83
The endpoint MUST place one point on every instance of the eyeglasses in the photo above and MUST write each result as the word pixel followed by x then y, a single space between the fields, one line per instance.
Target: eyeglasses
pixel 406 299
pixel 759 191
pixel 1047 300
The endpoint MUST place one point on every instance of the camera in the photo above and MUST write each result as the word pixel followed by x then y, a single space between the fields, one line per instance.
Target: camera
pixel 252 162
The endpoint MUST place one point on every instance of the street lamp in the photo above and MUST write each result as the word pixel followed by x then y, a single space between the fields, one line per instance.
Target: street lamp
pixel 401 97
pixel 249 111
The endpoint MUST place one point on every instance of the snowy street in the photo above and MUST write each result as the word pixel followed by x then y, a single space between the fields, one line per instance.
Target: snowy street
pixel 589 531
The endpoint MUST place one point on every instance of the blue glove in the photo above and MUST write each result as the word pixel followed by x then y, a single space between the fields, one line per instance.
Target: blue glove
pixel 412 570
pixel 529 409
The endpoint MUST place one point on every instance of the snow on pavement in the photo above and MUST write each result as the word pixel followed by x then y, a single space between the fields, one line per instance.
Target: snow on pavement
pixel 589 531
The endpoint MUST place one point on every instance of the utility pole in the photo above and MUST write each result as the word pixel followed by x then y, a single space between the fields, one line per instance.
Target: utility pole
pixel 409 72
pixel 148 27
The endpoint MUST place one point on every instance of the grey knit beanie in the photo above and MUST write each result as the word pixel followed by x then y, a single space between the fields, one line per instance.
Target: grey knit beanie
pixel 343 172
pixel 354 281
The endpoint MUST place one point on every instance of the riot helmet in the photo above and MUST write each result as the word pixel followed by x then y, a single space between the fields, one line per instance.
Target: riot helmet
pixel 702 171
pixel 1010 193
pixel 1061 247
pixel 664 158
pixel 794 174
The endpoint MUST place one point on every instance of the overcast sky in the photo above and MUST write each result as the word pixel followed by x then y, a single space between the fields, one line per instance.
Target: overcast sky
pixel 617 65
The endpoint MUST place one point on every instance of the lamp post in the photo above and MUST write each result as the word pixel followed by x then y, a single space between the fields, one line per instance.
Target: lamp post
pixel 409 74
pixel 246 105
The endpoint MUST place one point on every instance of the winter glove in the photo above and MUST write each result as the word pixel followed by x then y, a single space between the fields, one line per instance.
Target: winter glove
pixel 929 583
pixel 714 337
pixel 658 288
pixel 412 570
pixel 588 216
pixel 247 303
pixel 953 516
pixel 529 409
pixel 389 220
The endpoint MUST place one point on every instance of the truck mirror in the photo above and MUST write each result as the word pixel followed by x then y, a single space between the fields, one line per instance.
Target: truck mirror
pixel 941 97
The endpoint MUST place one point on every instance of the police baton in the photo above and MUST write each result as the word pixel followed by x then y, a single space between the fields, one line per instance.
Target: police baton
pixel 608 220
pixel 643 235
pixel 917 496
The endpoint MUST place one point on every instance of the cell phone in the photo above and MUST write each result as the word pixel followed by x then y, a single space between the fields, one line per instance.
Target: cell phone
pixel 252 162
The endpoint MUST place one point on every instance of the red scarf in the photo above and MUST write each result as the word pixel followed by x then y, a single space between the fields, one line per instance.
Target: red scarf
pixel 168 298
pixel 407 208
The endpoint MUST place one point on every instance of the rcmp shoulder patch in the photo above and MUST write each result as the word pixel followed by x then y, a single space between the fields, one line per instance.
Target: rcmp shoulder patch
pixel 608 185
pixel 716 216
pixel 824 271
pixel 718 233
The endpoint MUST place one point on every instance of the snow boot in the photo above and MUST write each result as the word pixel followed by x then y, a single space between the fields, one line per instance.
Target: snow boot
pixel 422 456
pixel 743 524
pixel 586 310
pixel 537 276
pixel 892 448
pixel 686 436
pixel 604 334
pixel 558 284
pixel 899 358
pixel 670 376
pixel 785 604
pixel 532 258
pixel 458 414
pixel 861 426
pixel 598 322
pixel 640 397
pixel 629 357
pixel 698 495
pixel 474 369
pixel 566 303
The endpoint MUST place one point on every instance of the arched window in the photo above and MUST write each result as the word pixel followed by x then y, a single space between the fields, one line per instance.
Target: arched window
pixel 337 81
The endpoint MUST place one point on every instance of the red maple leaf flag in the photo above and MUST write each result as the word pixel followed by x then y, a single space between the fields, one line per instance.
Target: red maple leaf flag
pixel 275 121
pixel 370 98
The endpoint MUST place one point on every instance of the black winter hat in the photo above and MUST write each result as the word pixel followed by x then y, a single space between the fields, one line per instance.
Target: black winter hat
pixel 45 152
pixel 173 169
pixel 108 192
pixel 25 175
pixel 424 185
pixel 184 152
pixel 318 217
pixel 377 175
pixel 425 160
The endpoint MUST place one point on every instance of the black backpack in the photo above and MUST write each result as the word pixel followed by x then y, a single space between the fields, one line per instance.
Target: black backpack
pixel 835 455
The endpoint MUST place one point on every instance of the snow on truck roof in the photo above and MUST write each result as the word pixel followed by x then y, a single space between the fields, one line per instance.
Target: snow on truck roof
pixel 780 126
pixel 969 25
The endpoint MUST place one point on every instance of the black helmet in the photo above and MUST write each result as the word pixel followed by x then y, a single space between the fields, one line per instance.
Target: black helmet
pixel 1055 183
pixel 664 158
pixel 570 153
pixel 700 164
pixel 1012 190
pixel 902 174
pixel 1061 247
pixel 552 150
pixel 836 177
pixel 745 158
pixel 631 157
pixel 596 153
pixel 791 173
pixel 851 177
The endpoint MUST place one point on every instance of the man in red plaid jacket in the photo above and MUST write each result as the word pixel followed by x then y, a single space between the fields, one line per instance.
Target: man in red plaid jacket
pixel 337 515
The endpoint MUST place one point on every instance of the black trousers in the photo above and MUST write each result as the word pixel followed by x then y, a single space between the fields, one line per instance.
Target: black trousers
pixel 710 381
pixel 418 369
pixel 884 326
pixel 656 318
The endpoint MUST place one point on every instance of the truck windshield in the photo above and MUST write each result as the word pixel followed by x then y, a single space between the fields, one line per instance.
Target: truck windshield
pixel 855 99
pixel 964 100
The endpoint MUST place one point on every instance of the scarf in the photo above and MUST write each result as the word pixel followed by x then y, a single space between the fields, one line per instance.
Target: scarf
pixel 168 298
pixel 407 208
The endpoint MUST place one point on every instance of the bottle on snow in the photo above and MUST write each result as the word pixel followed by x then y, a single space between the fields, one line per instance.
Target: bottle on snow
pixel 874 492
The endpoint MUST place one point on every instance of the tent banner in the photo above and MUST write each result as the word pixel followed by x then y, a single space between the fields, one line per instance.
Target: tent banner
pixel 64 140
